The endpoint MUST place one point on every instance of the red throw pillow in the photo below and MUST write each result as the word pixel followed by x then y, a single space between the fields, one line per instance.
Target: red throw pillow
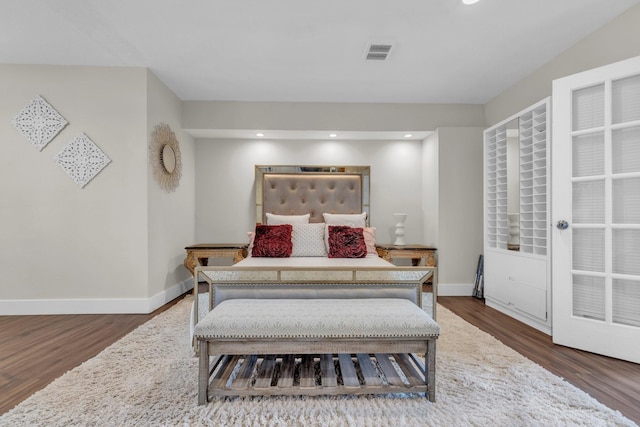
pixel 272 241
pixel 346 242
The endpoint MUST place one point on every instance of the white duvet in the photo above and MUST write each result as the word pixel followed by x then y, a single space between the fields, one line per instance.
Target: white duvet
pixel 370 260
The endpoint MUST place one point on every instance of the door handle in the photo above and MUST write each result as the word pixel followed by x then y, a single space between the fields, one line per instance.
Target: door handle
pixel 562 224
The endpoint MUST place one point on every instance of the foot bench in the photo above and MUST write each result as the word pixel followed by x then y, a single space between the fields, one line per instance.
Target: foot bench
pixel 316 346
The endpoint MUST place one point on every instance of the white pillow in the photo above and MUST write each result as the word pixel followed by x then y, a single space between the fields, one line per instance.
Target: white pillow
pixel 352 220
pixel 273 219
pixel 308 240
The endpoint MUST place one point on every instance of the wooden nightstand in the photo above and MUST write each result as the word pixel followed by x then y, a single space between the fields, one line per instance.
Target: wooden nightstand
pixel 415 252
pixel 201 253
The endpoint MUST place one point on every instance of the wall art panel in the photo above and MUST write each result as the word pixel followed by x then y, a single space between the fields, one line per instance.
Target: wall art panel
pixel 39 122
pixel 82 160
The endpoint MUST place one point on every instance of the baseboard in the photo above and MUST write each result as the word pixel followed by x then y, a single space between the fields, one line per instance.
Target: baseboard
pixel 455 289
pixel 94 306
pixel 170 294
pixel 142 305
pixel 510 311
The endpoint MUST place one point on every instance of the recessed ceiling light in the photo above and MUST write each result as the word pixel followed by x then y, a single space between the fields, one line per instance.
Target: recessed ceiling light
pixel 333 135
pixel 408 135
pixel 469 1
pixel 259 134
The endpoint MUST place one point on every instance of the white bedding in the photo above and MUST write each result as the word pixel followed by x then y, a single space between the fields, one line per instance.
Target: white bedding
pixel 370 260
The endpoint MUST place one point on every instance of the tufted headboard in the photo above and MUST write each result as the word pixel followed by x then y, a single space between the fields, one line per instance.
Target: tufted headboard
pixel 297 190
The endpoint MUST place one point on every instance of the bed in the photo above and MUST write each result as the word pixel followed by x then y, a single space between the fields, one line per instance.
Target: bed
pixel 313 241
pixel 308 194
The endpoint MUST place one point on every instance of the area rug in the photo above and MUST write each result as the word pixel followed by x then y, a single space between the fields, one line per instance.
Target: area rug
pixel 149 377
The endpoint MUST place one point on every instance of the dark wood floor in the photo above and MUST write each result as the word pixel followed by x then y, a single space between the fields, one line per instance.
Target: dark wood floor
pixel 34 350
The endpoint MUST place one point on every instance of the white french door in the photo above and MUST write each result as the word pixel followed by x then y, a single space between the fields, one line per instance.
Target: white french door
pixel 596 210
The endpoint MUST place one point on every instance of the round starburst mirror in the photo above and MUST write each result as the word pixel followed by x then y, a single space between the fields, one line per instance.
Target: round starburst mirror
pixel 165 157
pixel 168 158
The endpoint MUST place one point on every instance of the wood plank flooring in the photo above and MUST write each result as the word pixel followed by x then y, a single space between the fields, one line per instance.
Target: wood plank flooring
pixel 34 350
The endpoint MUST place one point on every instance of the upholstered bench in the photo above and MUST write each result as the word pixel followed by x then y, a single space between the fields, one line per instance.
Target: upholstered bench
pixel 316 346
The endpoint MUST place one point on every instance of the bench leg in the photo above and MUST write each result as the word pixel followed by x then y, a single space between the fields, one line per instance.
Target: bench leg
pixel 203 373
pixel 430 371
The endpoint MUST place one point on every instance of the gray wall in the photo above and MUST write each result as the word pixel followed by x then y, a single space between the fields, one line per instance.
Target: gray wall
pixel 431 190
pixel 67 249
pixel 225 203
pixel 171 224
pixel 618 40
pixel 460 205
pixel 56 236
pixel 199 115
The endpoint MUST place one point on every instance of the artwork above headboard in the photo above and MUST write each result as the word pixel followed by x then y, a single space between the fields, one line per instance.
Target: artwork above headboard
pixel 298 190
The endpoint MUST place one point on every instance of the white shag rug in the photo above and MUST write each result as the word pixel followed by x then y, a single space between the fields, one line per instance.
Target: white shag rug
pixel 149 378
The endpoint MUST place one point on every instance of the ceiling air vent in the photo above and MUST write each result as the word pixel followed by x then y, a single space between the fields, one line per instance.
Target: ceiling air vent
pixel 377 52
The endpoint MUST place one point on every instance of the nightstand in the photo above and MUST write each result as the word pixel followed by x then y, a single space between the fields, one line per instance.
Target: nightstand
pixel 415 252
pixel 200 253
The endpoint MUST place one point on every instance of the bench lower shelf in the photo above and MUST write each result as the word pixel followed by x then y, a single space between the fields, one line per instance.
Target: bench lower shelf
pixel 324 374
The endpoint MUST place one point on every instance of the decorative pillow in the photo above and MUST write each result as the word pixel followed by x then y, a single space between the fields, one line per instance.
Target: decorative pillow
pixel 272 241
pixel 308 240
pixel 352 220
pixel 346 242
pixel 370 239
pixel 273 219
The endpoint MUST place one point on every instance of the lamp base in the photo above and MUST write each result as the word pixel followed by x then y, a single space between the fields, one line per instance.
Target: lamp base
pixel 400 219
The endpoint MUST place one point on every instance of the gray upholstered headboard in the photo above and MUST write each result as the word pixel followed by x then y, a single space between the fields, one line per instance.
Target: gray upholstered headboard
pixel 297 190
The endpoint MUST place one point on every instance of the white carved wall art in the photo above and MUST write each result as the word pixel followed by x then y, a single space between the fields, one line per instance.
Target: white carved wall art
pixel 82 160
pixel 39 122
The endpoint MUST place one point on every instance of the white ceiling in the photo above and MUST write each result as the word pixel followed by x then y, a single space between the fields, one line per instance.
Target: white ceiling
pixel 305 50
